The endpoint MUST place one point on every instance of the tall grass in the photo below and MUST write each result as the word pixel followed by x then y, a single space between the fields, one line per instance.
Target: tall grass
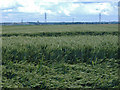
pixel 73 49
pixel 60 56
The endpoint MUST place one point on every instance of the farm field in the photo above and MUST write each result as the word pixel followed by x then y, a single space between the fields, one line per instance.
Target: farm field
pixel 60 56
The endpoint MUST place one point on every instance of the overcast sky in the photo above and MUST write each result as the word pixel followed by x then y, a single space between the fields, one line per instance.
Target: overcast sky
pixel 58 10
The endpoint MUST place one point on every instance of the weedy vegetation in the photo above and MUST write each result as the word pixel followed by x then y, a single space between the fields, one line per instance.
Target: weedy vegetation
pixel 60 56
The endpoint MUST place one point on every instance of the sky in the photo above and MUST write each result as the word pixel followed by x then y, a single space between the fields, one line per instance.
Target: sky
pixel 58 10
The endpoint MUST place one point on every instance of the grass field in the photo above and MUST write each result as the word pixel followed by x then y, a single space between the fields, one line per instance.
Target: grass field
pixel 60 56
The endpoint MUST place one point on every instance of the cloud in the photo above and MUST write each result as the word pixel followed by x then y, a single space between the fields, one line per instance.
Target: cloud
pixel 64 8
pixel 54 7
pixel 86 8
pixel 57 1
pixel 8 10
pixel 7 3
pixel 95 8
pixel 68 8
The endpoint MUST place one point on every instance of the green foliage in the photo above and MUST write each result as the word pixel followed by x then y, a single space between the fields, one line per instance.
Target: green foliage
pixel 54 56
pixel 68 49
pixel 61 75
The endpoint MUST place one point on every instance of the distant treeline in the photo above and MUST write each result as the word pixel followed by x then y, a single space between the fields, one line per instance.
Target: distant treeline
pixel 56 23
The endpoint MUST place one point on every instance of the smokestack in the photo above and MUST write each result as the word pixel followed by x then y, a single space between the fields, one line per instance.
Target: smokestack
pixel 73 20
pixel 21 20
pixel 100 17
pixel 45 17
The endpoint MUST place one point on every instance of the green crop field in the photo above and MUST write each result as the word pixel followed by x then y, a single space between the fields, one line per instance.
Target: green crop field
pixel 60 56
